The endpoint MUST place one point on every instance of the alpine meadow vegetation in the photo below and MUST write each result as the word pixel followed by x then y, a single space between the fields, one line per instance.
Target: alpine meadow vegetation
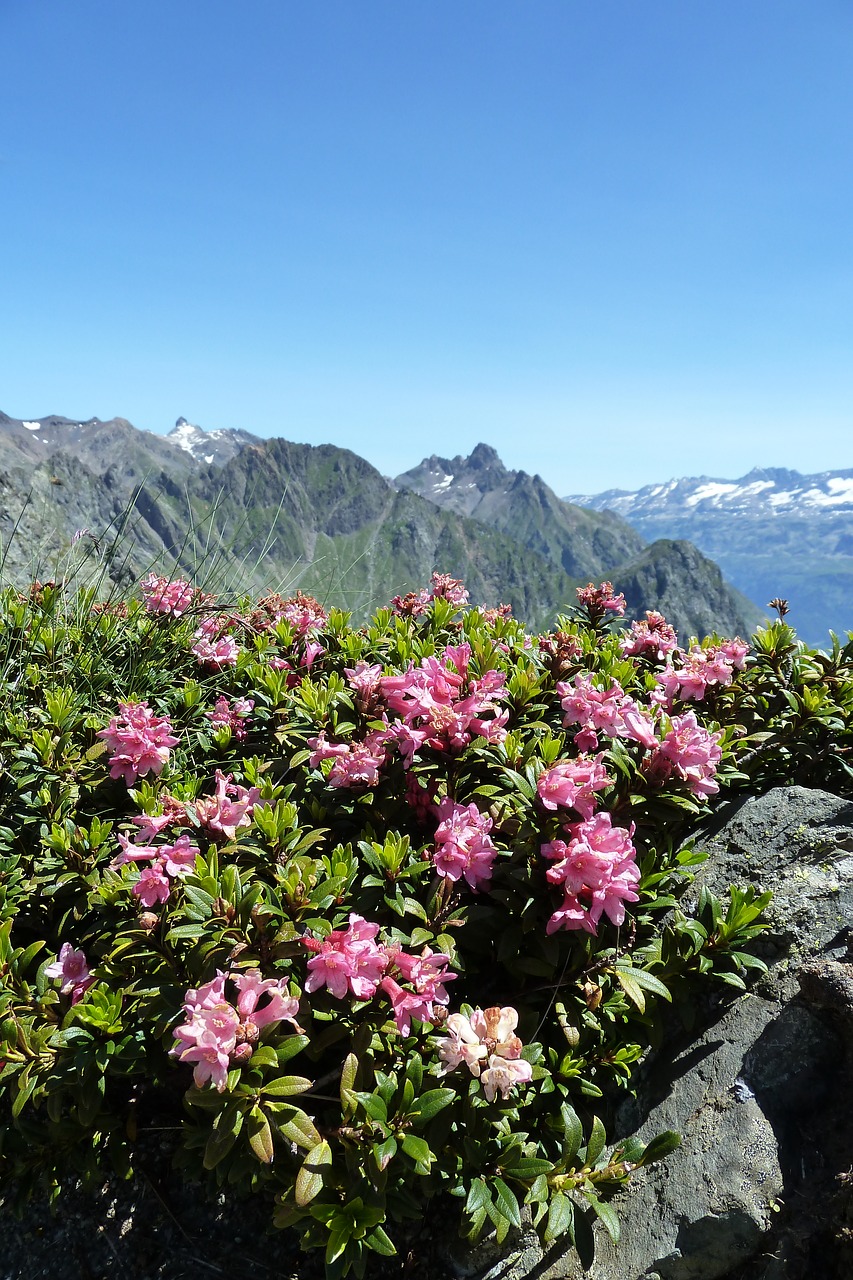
pixel 367 915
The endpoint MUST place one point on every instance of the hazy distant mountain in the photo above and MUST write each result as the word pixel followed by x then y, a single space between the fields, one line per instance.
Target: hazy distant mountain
pixel 773 533
pixel 268 514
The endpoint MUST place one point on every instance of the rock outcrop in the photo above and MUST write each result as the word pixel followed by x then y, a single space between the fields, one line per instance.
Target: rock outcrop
pixel 760 1188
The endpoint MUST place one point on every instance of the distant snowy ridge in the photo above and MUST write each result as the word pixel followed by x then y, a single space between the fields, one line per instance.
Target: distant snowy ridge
pixel 761 489
pixel 773 532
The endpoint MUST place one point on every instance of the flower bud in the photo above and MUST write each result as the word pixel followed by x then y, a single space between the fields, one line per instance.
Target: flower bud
pixel 242 1053
pixel 148 920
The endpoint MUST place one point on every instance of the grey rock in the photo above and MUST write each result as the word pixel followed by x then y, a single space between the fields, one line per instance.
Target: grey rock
pixel 760 1095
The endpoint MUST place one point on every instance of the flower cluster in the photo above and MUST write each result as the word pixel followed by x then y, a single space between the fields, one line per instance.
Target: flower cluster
pixel 222 651
pixel 356 764
pixel 654 638
pixel 610 712
pixel 463 846
pixel 215 1035
pixel 168 861
pixel 351 961
pixel 597 870
pixel 139 740
pixel 487 1040
pixel 597 602
pixel 571 784
pixel 441 708
pixel 229 808
pixel 231 715
pixel 164 596
pixel 442 587
pixel 73 970
pixel 691 753
pixel 698 669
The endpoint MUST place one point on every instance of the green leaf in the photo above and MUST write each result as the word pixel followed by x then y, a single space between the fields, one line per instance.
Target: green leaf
pixel 418 1150
pixel 606 1214
pixel 597 1139
pixel 561 1215
pixel 430 1103
pixel 506 1202
pixel 479 1197
pixel 572 1132
pixel 286 1085
pixel 644 979
pixel 348 1073
pixel 289 1047
pixel 373 1105
pixel 663 1145
pixel 525 1168
pixel 260 1136
pixel 299 1128
pixel 380 1242
pixel 223 1136
pixel 309 1179
pixel 265 1056
pixel 632 989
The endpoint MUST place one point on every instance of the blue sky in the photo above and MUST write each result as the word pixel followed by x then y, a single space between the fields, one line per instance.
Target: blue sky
pixel 612 239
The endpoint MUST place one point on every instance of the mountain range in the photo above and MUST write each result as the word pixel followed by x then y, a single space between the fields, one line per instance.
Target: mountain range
pixel 774 533
pixel 241 513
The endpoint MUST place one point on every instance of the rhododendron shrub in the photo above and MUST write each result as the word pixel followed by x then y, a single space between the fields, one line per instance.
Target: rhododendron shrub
pixel 365 915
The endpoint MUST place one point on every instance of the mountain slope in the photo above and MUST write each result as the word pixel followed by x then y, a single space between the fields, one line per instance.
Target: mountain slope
pixel 582 544
pixel 773 532
pixel 672 577
pixel 243 513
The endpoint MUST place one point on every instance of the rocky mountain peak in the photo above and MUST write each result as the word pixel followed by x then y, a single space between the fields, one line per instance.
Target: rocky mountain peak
pixel 483 458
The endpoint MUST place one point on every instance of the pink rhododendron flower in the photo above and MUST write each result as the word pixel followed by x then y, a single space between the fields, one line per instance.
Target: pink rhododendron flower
pixel 591 708
pixel 230 807
pixel 347 960
pixel 427 974
pixel 654 638
pixel 216 1036
pixel 303 613
pixel 263 1001
pixel 364 681
pixel 150 825
pixel 151 887
pixel 597 870
pixel 71 967
pixel 446 588
pixel 133 851
pixel 162 596
pixel 178 859
pixel 139 740
pixel 311 652
pixel 600 600
pixel 357 764
pixel 690 675
pixel 463 846
pixel 443 710
pixel 216 653
pixel 736 652
pixel 572 784
pixel 231 715
pixel 503 1074
pixel 608 711
pixel 359 767
pixel 691 752
pixel 486 1039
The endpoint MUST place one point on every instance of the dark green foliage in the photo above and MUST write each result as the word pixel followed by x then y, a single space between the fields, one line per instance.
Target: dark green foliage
pixel 344 1123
